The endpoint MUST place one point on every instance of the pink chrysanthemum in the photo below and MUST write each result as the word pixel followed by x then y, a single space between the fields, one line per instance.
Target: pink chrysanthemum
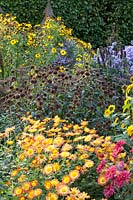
pixel 111 172
pixel 118 148
pixel 109 190
pixel 122 178
pixel 100 166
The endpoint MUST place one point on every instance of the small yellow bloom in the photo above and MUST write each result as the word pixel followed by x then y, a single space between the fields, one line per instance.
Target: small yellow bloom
pixel 10 142
pixel 89 163
pixel 78 59
pixel 37 55
pixel 58 18
pixel 13 42
pixel 107 113
pixel 18 191
pixel 53 50
pixel 130 130
pixel 111 108
pixel 102 180
pixel 131 79
pixel 63 52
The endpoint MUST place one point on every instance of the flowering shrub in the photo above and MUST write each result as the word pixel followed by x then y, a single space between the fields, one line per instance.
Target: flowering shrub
pixel 49 43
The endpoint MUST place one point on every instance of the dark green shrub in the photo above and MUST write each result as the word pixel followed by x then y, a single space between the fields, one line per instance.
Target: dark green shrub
pixel 95 21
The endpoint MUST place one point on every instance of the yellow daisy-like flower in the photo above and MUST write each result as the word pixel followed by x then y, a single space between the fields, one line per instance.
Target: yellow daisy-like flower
pixel 89 164
pixel 34 183
pixel 51 196
pixel 56 167
pixel 63 52
pixel 74 174
pixel 53 50
pixel 48 185
pixel 22 198
pixel 18 191
pixel 48 169
pixel 30 152
pixel 26 186
pixel 58 18
pixel 37 192
pixel 111 108
pixel 130 130
pixel 66 179
pixel 54 182
pixel 10 142
pixel 62 189
pixel 102 180
pixel 14 172
pixel 64 154
pixel 31 194
pixel 13 42
pixel 131 79
pixel 107 113
pixel 37 55
pixel 78 59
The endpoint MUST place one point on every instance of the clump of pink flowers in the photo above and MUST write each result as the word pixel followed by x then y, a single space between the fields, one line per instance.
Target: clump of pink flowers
pixel 113 172
pixel 116 176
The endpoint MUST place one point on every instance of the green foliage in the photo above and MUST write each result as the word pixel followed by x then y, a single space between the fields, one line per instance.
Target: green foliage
pixel 98 22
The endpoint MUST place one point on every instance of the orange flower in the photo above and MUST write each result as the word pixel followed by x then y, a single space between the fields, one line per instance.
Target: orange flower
pixel 64 154
pixel 30 152
pixel 74 174
pixel 62 189
pixel 22 198
pixel 34 183
pixel 54 182
pixel 66 147
pixel 56 167
pixel 37 192
pixel 66 179
pixel 26 186
pixel 102 180
pixel 21 178
pixel 22 156
pixel 14 172
pixel 48 169
pixel 51 196
pixel 89 163
pixel 58 141
pixel 31 194
pixel 18 191
pixel 47 185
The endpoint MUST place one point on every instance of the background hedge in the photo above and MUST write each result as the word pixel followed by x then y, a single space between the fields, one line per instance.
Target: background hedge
pixel 96 21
